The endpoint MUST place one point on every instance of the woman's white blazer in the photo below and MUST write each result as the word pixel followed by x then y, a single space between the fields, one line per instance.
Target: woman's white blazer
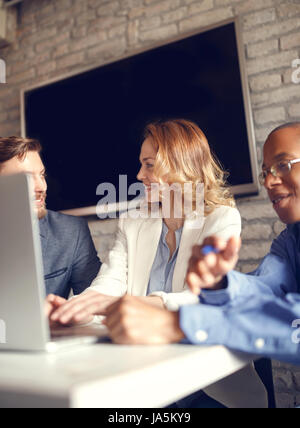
pixel 129 263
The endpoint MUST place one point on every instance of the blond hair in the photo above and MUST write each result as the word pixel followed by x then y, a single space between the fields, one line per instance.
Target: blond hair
pixel 184 156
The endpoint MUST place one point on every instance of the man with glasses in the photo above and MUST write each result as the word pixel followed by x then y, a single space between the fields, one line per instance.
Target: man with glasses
pixel 258 313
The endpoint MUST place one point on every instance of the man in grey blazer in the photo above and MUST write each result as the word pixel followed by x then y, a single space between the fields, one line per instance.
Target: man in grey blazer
pixel 69 255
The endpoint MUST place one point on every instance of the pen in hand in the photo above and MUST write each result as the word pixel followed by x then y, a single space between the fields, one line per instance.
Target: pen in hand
pixel 209 249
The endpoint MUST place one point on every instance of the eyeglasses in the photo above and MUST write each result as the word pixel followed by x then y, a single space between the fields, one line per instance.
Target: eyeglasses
pixel 279 169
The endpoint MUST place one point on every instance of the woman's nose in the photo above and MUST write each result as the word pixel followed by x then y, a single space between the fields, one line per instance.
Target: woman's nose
pixel 141 174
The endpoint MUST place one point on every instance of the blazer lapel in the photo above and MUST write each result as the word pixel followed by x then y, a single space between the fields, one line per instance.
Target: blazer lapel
pixel 146 248
pixel 44 229
pixel 191 235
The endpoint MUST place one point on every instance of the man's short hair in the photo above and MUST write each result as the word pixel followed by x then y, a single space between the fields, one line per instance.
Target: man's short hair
pixel 11 147
pixel 293 125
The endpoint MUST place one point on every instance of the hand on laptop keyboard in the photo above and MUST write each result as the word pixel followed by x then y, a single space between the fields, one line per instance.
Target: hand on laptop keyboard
pixel 52 303
pixel 81 309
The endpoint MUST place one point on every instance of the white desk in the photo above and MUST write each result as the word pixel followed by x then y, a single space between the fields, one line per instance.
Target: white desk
pixel 112 376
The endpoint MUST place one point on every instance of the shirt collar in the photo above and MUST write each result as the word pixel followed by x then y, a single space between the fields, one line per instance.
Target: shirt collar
pixel 178 234
pixel 294 231
pixel 294 228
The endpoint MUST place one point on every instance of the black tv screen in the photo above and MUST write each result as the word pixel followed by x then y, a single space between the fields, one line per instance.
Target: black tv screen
pixel 91 124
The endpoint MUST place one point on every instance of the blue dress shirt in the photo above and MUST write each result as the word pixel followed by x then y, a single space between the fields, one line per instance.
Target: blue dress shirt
pixel 161 276
pixel 258 313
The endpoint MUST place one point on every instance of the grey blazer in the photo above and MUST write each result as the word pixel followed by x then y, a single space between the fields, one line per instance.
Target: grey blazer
pixel 69 255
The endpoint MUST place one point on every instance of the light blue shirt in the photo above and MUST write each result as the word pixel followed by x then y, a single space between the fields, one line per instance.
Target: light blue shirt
pixel 258 313
pixel 161 276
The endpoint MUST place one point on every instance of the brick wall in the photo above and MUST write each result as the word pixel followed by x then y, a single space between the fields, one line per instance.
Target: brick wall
pixel 58 36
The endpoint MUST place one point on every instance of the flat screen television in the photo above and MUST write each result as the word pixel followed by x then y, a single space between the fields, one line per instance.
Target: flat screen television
pixel 91 124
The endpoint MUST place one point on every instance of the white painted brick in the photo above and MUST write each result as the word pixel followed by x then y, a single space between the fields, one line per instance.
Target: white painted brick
pixel 288 75
pixel 263 48
pixel 269 31
pixel 159 34
pixel 279 227
pixel 225 2
pixel 198 7
pixel 130 4
pixel 256 231
pixel 162 6
pixel 108 8
pixel 259 18
pixel 262 134
pixel 133 32
pixel 174 15
pixel 205 19
pixel 281 95
pixel 294 111
pixel 92 39
pixel 265 82
pixel 255 251
pixel 75 59
pixel 247 267
pixel 257 212
pixel 107 50
pixel 288 10
pixel 22 77
pixel 247 6
pixel 271 62
pixel 46 68
pixel 149 23
pixel 269 115
pixel 118 31
pixel 290 41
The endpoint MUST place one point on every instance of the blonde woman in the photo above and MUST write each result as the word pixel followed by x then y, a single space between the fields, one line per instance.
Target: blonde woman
pixel 150 256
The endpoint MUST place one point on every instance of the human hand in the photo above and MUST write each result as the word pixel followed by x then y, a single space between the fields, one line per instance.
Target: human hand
pixel 153 300
pixel 132 321
pixel 82 309
pixel 207 271
pixel 52 303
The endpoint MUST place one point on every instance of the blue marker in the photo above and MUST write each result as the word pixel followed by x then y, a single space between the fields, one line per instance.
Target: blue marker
pixel 209 249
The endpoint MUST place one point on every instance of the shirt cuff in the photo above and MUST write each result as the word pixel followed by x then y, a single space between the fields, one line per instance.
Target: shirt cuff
pixel 225 295
pixel 173 301
pixel 203 324
pixel 214 297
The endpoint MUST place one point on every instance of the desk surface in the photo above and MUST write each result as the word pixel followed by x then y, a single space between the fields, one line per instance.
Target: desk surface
pixel 112 376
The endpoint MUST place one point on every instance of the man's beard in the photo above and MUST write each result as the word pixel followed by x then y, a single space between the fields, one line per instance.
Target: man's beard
pixel 42 210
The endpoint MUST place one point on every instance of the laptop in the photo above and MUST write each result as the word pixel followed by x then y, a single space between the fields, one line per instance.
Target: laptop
pixel 23 323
